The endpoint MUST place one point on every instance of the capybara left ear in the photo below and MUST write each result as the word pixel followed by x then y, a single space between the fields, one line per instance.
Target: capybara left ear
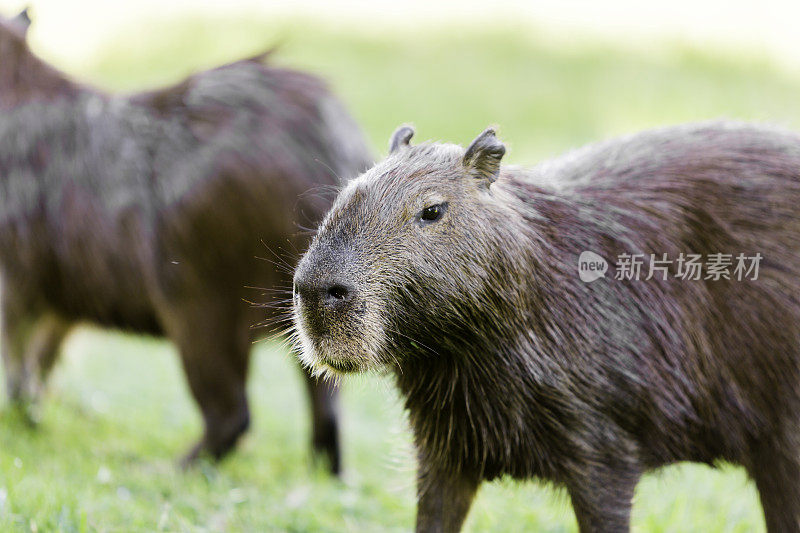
pixel 483 156
pixel 22 21
pixel 400 137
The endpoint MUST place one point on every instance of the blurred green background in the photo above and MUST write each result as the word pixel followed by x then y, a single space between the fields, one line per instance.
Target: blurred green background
pixel 118 412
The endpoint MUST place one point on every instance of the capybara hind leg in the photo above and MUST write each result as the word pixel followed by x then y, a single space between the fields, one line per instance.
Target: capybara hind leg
pixel 29 342
pixel 218 386
pixel 323 396
pixel 44 344
pixel 15 325
pixel 776 471
pixel 214 352
pixel 13 357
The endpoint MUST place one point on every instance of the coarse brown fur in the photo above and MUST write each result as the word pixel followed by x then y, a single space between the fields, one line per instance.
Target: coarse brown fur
pixel 150 212
pixel 510 365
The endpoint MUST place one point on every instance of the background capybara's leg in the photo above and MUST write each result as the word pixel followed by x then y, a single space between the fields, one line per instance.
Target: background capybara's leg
pixel 43 346
pixel 444 498
pixel 30 343
pixel 776 471
pixel 323 396
pixel 214 351
pixel 15 324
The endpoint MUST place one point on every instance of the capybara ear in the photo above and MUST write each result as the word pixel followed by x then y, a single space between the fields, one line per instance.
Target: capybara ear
pixel 400 137
pixel 22 21
pixel 483 156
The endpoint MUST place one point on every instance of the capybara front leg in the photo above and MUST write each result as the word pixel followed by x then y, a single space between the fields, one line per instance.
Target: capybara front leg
pixel 323 397
pixel 444 499
pixel 776 471
pixel 602 498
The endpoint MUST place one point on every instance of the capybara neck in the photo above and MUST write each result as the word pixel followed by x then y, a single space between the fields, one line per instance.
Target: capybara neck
pixel 446 379
pixel 460 431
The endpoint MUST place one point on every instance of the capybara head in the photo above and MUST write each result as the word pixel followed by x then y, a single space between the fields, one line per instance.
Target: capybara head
pixel 414 247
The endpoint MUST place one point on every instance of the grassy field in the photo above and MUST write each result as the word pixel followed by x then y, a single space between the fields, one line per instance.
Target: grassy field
pixel 118 412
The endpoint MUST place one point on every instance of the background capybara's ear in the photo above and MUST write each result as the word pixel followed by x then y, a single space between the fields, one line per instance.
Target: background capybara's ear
pixel 482 158
pixel 22 21
pixel 401 137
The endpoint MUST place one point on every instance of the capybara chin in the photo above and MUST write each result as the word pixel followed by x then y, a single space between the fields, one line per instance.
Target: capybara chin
pixel 149 212
pixel 461 276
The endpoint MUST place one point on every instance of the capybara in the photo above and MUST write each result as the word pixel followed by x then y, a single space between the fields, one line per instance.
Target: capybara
pixel 461 276
pixel 149 213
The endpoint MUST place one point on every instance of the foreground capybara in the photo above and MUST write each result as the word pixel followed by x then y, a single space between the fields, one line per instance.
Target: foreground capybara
pixel 148 213
pixel 463 278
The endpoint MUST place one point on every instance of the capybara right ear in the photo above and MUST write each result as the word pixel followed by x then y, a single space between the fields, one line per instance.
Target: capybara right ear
pixel 400 137
pixel 22 21
pixel 483 156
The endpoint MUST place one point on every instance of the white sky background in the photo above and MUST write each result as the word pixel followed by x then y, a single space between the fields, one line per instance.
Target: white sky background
pixel 72 29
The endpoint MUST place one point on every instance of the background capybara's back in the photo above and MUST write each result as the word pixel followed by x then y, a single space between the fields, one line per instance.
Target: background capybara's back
pixel 148 213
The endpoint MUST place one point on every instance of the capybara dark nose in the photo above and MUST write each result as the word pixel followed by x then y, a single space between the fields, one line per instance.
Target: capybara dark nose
pixel 329 294
pixel 337 293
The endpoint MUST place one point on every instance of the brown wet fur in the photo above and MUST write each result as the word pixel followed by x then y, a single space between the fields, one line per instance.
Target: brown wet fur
pixel 154 213
pixel 510 365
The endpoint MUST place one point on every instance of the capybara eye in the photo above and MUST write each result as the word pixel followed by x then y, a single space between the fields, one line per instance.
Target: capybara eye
pixel 432 213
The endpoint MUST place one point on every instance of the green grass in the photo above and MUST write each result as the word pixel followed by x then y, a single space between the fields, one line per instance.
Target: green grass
pixel 118 412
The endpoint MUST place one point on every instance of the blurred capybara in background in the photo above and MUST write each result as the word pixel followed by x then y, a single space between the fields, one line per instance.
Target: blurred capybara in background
pixel 148 213
pixel 461 276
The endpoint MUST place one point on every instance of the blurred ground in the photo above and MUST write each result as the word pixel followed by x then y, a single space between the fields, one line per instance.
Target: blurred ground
pixel 119 413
